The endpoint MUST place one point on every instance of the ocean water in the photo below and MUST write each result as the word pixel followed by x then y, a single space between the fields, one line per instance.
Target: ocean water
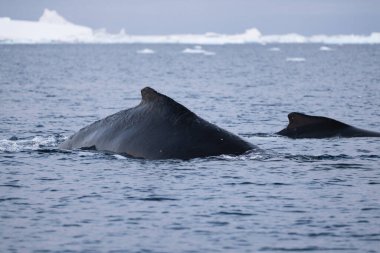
pixel 292 196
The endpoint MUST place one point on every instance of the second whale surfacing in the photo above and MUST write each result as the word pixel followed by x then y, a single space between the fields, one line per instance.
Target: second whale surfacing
pixel 307 126
pixel 157 128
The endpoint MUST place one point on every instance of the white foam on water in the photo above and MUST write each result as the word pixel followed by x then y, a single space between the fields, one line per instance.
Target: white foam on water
pixel 119 157
pixel 34 143
pixel 274 49
pixel 145 51
pixel 53 28
pixel 295 59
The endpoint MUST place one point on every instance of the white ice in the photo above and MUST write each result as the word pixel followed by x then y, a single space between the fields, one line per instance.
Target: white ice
pixel 145 51
pixel 324 48
pixel 197 50
pixel 295 59
pixel 50 28
pixel 53 28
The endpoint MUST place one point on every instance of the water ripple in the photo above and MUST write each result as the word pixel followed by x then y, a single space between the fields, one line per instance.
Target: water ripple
pixel 287 195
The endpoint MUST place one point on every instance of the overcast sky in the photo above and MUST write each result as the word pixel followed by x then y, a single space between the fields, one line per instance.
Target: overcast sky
pixel 306 17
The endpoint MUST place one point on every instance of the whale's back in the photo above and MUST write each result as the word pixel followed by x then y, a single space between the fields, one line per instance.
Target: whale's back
pixel 158 128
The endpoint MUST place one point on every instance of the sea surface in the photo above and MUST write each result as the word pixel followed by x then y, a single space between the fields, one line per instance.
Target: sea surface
pixel 310 195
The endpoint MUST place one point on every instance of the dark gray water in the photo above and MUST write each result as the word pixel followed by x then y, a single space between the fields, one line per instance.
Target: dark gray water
pixel 294 196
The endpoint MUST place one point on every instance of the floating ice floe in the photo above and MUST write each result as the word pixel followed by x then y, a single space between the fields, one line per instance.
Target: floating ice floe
pixel 295 59
pixel 197 50
pixel 146 51
pixel 324 48
pixel 53 28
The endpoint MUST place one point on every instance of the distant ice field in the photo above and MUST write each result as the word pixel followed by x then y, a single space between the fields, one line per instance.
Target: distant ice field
pixel 53 28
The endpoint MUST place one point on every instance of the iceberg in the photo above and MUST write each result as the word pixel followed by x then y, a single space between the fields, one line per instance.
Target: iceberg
pixel 53 28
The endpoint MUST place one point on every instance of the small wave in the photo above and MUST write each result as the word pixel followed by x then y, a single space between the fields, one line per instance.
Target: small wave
pixel 248 135
pixel 197 50
pixel 156 198
pixel 309 248
pixel 10 199
pixel 89 196
pixel 218 223
pixel 11 185
pixel 321 234
pixel 312 158
pixel 250 155
pixel 240 183
pixel 274 49
pixel 48 179
pixel 347 165
pixel 370 209
pixel 295 59
pixel 258 184
pixel 71 225
pixel 234 213
pixel 369 157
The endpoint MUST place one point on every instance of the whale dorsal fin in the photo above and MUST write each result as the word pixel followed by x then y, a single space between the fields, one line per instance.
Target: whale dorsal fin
pixel 297 120
pixel 149 94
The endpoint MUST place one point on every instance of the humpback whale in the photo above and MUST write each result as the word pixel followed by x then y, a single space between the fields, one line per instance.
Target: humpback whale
pixel 157 128
pixel 307 126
